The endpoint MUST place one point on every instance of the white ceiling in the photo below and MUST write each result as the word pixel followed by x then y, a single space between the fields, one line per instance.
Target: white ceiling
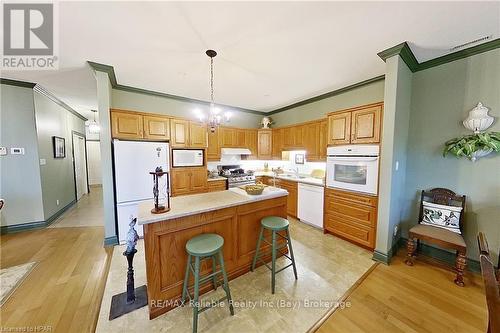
pixel 271 54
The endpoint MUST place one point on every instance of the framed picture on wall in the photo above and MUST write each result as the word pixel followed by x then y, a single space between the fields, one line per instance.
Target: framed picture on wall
pixel 59 146
pixel 299 159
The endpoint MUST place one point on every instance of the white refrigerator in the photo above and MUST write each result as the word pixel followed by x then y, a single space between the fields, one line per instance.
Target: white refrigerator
pixel 134 160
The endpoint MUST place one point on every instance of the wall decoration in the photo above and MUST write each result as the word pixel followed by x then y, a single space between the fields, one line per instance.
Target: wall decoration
pixel 480 143
pixel 299 159
pixel 266 122
pixel 59 147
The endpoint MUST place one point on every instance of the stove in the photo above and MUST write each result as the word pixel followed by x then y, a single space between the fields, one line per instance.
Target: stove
pixel 235 175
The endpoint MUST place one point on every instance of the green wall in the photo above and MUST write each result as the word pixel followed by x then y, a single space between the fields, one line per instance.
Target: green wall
pixel 441 98
pixel 20 183
pixel 370 93
pixel 57 175
pixel 164 105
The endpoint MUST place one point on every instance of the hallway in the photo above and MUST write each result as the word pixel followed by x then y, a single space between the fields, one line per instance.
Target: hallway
pixel 64 290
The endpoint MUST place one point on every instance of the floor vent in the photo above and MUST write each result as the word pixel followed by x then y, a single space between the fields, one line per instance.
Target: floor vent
pixel 475 41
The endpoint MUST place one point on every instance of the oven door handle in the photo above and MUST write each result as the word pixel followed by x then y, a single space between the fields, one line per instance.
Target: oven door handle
pixel 352 159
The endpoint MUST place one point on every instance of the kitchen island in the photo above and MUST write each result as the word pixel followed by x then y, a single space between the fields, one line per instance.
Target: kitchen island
pixel 233 214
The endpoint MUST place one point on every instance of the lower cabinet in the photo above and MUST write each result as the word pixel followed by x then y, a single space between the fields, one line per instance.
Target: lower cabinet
pixel 188 180
pixel 351 216
pixel 217 185
pixel 292 189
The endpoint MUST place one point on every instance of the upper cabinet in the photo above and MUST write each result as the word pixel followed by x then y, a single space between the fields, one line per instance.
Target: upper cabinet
pixel 277 143
pixel 265 149
pixel 213 150
pixel 356 125
pixel 156 128
pixel 179 131
pixel 251 142
pixel 127 125
pixel 197 135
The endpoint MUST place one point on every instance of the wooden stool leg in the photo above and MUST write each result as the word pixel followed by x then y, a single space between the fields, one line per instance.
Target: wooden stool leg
pixel 214 269
pixel 460 264
pixel 273 270
pixel 258 248
pixel 289 240
pixel 185 291
pixel 196 294
pixel 410 249
pixel 226 283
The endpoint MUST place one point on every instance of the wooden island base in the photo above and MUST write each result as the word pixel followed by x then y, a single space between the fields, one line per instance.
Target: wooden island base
pixel 166 255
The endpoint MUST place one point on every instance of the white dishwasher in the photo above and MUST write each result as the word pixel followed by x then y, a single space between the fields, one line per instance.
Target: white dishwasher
pixel 310 204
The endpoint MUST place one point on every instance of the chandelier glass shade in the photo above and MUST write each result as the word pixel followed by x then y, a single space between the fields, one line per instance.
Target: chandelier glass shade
pixel 93 125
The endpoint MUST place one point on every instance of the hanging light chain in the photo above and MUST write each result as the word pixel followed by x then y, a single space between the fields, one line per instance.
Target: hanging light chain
pixel 212 79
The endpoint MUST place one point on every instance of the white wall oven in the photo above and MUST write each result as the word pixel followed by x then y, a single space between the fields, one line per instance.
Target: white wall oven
pixel 353 167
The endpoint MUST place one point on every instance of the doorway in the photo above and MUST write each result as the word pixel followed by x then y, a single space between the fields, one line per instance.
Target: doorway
pixel 80 165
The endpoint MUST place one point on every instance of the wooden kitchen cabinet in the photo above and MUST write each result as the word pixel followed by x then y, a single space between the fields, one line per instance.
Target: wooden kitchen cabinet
pixel 179 133
pixel 126 125
pixel 339 128
pixel 197 135
pixel 265 149
pixel 217 185
pixel 227 137
pixel 188 180
pixel 292 189
pixel 360 125
pixel 213 150
pixel 352 216
pixel 277 143
pixel 251 142
pixel 156 128
pixel 240 135
pixel 312 141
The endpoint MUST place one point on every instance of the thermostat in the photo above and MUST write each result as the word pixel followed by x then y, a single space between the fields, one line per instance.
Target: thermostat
pixel 3 151
pixel 17 151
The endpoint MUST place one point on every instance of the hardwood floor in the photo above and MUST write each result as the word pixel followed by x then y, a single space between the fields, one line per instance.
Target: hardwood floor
pixel 64 291
pixel 422 298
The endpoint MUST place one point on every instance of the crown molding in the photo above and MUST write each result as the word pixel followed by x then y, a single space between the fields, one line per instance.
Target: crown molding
pixel 328 94
pixel 17 83
pixel 114 83
pixel 41 90
pixel 404 51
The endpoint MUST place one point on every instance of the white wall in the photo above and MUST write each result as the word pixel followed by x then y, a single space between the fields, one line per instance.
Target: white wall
pixel 94 162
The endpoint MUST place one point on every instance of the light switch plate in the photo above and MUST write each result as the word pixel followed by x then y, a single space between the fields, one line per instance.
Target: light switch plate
pixel 43 161
pixel 17 151
pixel 3 151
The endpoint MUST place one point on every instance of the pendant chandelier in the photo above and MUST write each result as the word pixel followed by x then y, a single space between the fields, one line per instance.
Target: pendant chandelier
pixel 214 117
pixel 93 126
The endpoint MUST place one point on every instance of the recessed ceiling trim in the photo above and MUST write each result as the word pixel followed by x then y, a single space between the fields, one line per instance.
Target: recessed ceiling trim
pixel 404 51
pixel 17 83
pixel 41 90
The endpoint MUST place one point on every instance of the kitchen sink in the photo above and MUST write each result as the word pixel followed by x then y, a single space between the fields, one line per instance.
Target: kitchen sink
pixel 293 176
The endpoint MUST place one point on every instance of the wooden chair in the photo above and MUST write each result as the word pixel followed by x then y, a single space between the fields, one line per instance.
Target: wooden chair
pixel 491 278
pixel 440 236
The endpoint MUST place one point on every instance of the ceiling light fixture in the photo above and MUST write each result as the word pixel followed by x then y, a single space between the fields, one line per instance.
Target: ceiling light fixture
pixel 214 117
pixel 93 126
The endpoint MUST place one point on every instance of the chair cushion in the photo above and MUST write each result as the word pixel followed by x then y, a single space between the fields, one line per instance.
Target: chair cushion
pixel 442 216
pixel 438 233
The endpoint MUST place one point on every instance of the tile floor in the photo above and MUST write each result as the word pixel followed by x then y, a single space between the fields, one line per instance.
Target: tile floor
pixel 327 267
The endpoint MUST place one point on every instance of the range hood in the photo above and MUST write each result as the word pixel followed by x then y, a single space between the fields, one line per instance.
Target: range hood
pixel 235 151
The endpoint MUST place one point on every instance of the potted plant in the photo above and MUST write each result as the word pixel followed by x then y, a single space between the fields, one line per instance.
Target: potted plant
pixel 473 146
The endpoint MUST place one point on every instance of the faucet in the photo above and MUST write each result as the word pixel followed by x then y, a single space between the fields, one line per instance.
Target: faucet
pixel 296 171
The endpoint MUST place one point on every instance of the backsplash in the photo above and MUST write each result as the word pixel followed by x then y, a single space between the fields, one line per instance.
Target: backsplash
pixel 259 164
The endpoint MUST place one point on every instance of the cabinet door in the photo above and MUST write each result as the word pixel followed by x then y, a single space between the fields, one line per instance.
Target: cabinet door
pixel 240 138
pixel 216 185
pixel 366 125
pixel 323 139
pixel 226 137
pixel 298 136
pixel 181 179
pixel 126 125
pixel 213 151
pixel 312 141
pixel 265 149
pixel 179 133
pixel 199 180
pixel 251 143
pixel 197 135
pixel 291 187
pixel 277 143
pixel 288 137
pixel 339 128
pixel 156 128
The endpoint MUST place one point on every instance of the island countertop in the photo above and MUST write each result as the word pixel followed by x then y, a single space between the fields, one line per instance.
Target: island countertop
pixel 187 205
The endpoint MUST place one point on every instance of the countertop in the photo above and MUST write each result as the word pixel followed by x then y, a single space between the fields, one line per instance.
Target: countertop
pixel 204 202
pixel 306 180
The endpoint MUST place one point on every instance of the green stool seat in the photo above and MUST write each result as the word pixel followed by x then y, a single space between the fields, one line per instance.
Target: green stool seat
pixel 204 245
pixel 275 223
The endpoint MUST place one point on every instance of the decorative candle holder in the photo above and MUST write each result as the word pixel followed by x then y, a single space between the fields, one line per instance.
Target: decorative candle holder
pixel 161 188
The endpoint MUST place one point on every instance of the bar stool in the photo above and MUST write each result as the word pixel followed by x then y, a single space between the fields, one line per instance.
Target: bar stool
pixel 275 224
pixel 202 247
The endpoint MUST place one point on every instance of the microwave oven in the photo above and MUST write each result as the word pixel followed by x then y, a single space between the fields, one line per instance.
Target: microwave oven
pixel 187 157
